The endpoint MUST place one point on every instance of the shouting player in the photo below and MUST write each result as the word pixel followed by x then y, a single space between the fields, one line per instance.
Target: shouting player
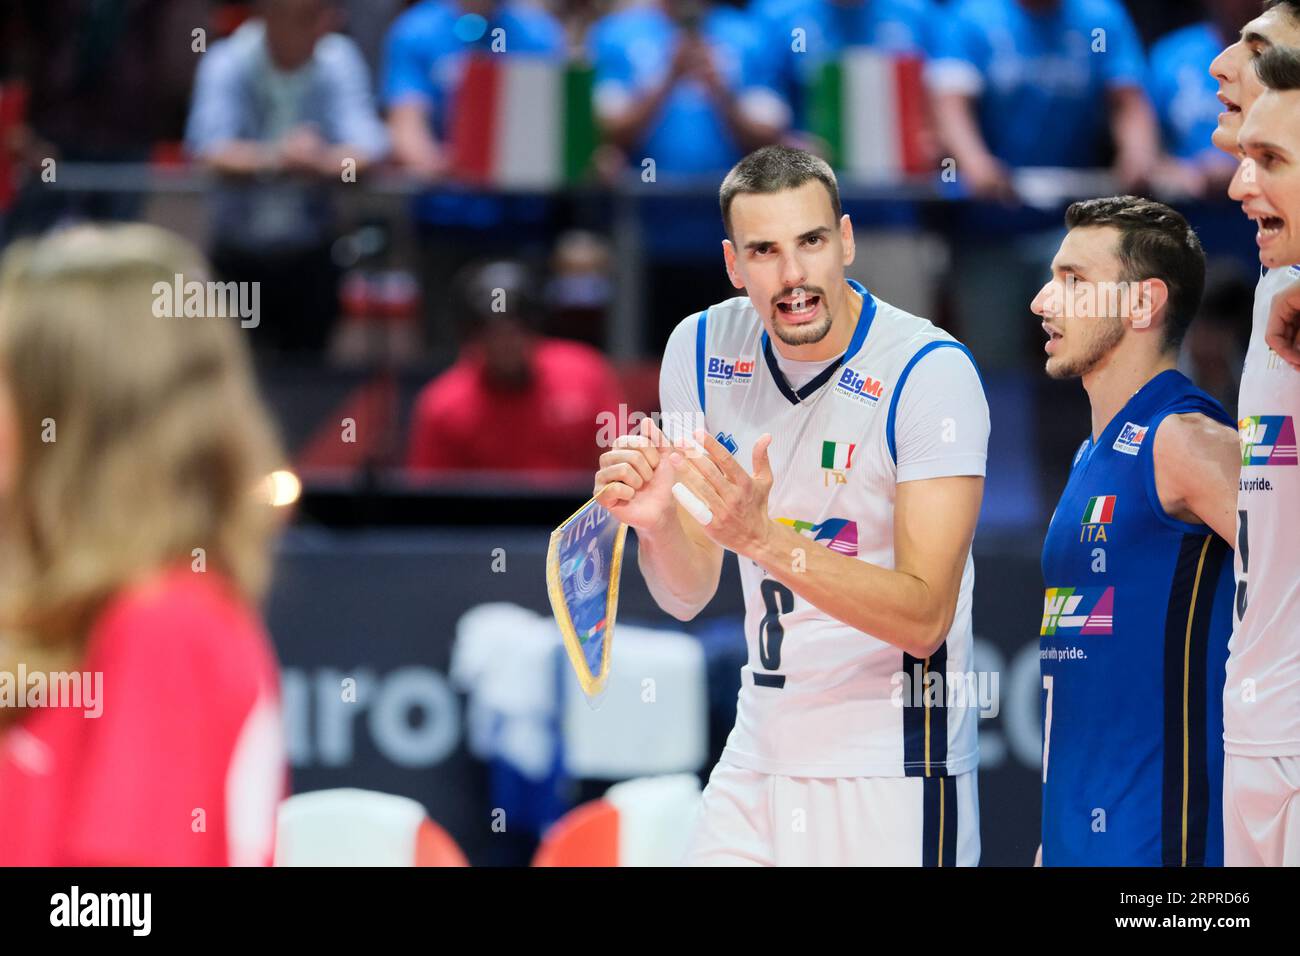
pixel 1261 698
pixel 1138 606
pixel 867 431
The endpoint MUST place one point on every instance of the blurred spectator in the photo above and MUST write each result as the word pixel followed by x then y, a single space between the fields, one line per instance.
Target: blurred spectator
pixel 684 88
pixel 281 108
pixel 1022 83
pixel 514 400
pixel 425 60
pixel 580 290
pixel 105 81
pixel 1039 83
pixel 1185 97
pixel 891 26
pixel 686 82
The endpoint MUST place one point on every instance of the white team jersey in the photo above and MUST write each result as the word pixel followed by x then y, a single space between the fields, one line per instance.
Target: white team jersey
pixel 819 698
pixel 1261 696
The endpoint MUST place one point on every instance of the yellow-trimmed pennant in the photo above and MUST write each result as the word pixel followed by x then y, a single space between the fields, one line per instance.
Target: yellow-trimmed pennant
pixel 583 564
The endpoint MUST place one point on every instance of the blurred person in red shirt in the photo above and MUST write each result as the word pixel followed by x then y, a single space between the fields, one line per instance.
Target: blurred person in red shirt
pixel 139 695
pixel 514 400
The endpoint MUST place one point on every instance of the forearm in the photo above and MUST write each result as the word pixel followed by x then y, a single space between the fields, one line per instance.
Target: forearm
pixel 629 127
pixel 413 145
pixel 899 608
pixel 681 573
pixel 1133 129
pixel 959 133
pixel 750 133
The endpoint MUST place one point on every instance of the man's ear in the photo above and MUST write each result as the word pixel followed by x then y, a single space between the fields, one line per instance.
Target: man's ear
pixel 729 257
pixel 1146 301
pixel 846 239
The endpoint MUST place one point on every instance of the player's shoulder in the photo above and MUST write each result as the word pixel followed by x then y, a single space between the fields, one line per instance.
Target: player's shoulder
pixel 909 333
pixel 1185 440
pixel 1270 280
pixel 718 319
pixel 1184 398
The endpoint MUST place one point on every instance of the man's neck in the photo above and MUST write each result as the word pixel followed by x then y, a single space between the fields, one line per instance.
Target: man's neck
pixel 837 339
pixel 1118 378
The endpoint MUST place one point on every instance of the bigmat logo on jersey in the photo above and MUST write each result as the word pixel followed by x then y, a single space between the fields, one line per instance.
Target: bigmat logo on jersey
pixel 1130 438
pixel 863 388
pixel 724 370
pixel 1267 440
pixel 1071 612
pixel 838 534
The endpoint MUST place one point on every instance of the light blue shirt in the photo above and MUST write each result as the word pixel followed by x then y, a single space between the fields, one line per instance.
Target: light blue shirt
pixel 240 95
pixel 1040 78
pixel 1182 90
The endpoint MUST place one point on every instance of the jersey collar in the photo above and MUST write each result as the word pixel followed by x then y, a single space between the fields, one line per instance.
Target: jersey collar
pixel 825 375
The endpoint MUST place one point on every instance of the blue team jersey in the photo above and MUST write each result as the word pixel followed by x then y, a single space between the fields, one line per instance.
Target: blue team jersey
pixel 1040 77
pixel 1134 640
pixel 1183 92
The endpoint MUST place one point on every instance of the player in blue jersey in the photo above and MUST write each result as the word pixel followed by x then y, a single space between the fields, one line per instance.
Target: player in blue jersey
pixel 1137 567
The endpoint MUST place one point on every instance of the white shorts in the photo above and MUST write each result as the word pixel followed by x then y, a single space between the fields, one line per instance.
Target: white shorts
pixel 1261 811
pixel 748 818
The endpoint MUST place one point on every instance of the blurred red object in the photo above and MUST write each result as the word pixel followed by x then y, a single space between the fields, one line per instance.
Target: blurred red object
pixel 585 836
pixel 168 154
pixel 226 19
pixel 13 115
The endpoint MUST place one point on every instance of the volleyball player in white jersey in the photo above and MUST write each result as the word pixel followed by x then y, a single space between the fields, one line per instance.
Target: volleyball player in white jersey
pixel 1262 692
pixel 866 430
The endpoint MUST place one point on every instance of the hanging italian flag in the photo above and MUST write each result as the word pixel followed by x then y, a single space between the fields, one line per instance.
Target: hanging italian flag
pixel 521 121
pixel 1100 510
pixel 837 455
pixel 870 108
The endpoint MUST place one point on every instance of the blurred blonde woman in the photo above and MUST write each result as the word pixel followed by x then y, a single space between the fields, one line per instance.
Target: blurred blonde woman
pixel 134 548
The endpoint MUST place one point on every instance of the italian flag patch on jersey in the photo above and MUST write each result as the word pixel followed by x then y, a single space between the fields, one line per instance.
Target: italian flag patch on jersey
pixel 1100 510
pixel 837 455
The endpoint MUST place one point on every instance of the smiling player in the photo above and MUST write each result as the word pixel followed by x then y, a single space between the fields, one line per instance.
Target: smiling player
pixel 867 430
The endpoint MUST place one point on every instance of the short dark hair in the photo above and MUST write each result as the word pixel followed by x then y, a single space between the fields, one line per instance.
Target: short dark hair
pixel 1279 68
pixel 489 290
pixel 773 169
pixel 1155 243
